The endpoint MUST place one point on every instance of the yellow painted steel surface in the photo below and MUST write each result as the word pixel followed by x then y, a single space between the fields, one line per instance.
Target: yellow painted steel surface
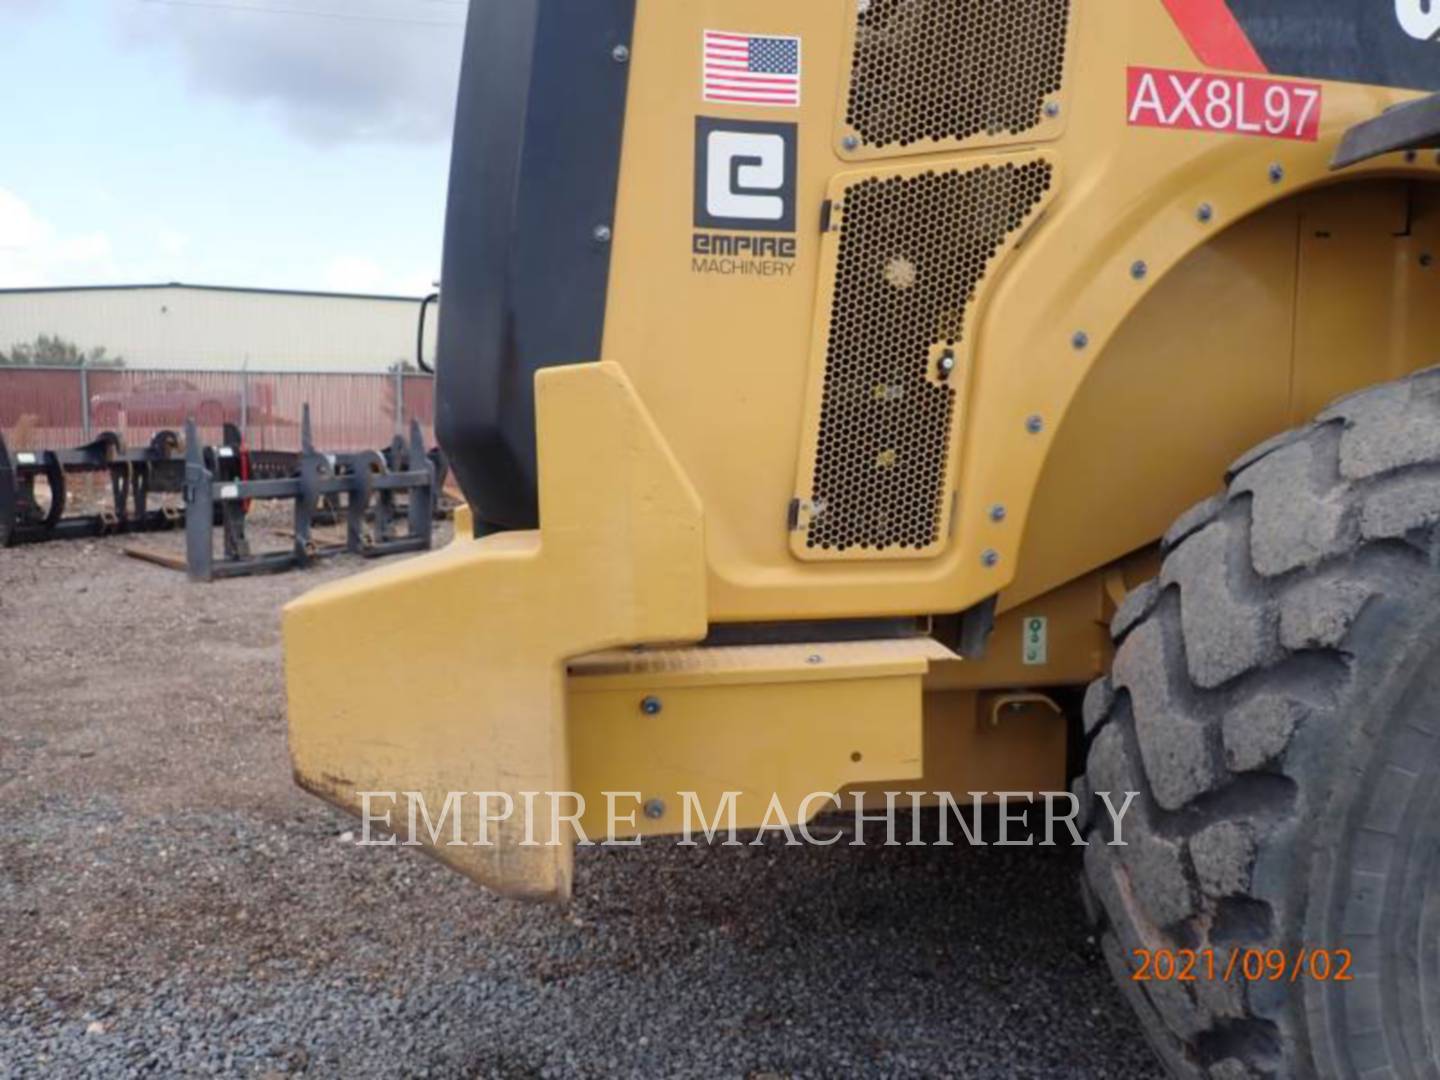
pixel 978 742
pixel 1252 333
pixel 766 722
pixel 464 522
pixel 446 673
pixel 724 362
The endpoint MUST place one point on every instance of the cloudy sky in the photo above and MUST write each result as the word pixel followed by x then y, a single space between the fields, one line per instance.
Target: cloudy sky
pixel 278 143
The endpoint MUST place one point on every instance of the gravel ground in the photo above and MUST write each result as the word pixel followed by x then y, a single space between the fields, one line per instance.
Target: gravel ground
pixel 170 904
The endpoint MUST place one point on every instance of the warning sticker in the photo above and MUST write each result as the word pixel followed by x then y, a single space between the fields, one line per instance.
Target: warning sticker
pixel 1232 104
pixel 1035 646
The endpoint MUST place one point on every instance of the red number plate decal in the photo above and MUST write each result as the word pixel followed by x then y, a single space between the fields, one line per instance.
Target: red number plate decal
pixel 1234 104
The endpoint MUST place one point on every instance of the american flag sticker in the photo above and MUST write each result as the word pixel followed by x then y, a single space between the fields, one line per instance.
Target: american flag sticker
pixel 750 69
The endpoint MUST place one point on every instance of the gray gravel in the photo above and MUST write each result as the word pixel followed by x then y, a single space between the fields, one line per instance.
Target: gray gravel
pixel 170 904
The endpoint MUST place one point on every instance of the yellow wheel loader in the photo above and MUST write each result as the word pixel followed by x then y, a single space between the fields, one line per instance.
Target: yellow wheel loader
pixel 840 387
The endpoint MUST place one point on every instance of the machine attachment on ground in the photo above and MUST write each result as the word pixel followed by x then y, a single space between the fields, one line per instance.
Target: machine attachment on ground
pixel 26 517
pixel 387 499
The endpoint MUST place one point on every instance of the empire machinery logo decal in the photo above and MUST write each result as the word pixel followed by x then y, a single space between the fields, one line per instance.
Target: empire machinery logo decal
pixel 745 173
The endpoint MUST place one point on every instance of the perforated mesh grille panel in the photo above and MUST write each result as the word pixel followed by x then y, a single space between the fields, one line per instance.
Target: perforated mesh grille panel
pixel 954 69
pixel 912 251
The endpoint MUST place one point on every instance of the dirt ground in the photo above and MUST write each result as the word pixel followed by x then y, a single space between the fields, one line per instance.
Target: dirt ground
pixel 170 903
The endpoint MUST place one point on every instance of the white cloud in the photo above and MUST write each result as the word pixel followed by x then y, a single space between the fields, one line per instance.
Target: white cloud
pixel 360 274
pixel 33 252
pixel 336 71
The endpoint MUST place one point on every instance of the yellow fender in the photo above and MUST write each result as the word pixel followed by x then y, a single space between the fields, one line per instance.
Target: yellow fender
pixel 447 672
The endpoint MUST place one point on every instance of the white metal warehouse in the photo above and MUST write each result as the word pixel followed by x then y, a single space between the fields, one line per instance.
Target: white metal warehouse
pixel 200 326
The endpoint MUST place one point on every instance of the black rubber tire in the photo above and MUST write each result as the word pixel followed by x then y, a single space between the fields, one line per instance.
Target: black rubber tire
pixel 1275 701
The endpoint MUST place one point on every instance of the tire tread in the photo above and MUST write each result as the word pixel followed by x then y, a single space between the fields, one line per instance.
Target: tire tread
pixel 1231 670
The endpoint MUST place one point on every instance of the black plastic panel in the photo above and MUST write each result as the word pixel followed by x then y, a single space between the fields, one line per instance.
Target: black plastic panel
pixel 535 168
pixel 1359 41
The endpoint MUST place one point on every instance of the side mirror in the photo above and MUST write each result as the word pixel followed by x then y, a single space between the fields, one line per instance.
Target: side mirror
pixel 420 337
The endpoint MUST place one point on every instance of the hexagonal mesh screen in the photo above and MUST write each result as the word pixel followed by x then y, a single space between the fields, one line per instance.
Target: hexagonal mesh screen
pixel 913 250
pixel 953 69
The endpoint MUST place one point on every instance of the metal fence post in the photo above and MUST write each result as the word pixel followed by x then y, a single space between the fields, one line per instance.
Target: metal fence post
pixel 399 399
pixel 84 401
pixel 245 404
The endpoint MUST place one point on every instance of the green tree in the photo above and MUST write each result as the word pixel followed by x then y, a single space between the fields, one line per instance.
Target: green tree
pixel 51 350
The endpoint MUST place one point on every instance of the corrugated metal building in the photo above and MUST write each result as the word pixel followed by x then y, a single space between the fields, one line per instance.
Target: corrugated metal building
pixel 200 327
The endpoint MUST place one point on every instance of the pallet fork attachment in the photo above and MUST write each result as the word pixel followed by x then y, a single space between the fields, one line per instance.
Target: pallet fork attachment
pixel 367 487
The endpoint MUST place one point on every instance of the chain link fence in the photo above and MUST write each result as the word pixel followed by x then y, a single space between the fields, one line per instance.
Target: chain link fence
pixel 53 408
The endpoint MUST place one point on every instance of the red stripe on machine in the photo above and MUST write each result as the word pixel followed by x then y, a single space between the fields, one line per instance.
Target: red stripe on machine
pixel 1215 36
pixel 1232 104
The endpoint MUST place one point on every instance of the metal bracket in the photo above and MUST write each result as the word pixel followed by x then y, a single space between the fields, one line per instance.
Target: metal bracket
pixel 1414 125
pixel 1017 704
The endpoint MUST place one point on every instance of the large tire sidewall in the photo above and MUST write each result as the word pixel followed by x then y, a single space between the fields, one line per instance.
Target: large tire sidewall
pixel 1373 883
